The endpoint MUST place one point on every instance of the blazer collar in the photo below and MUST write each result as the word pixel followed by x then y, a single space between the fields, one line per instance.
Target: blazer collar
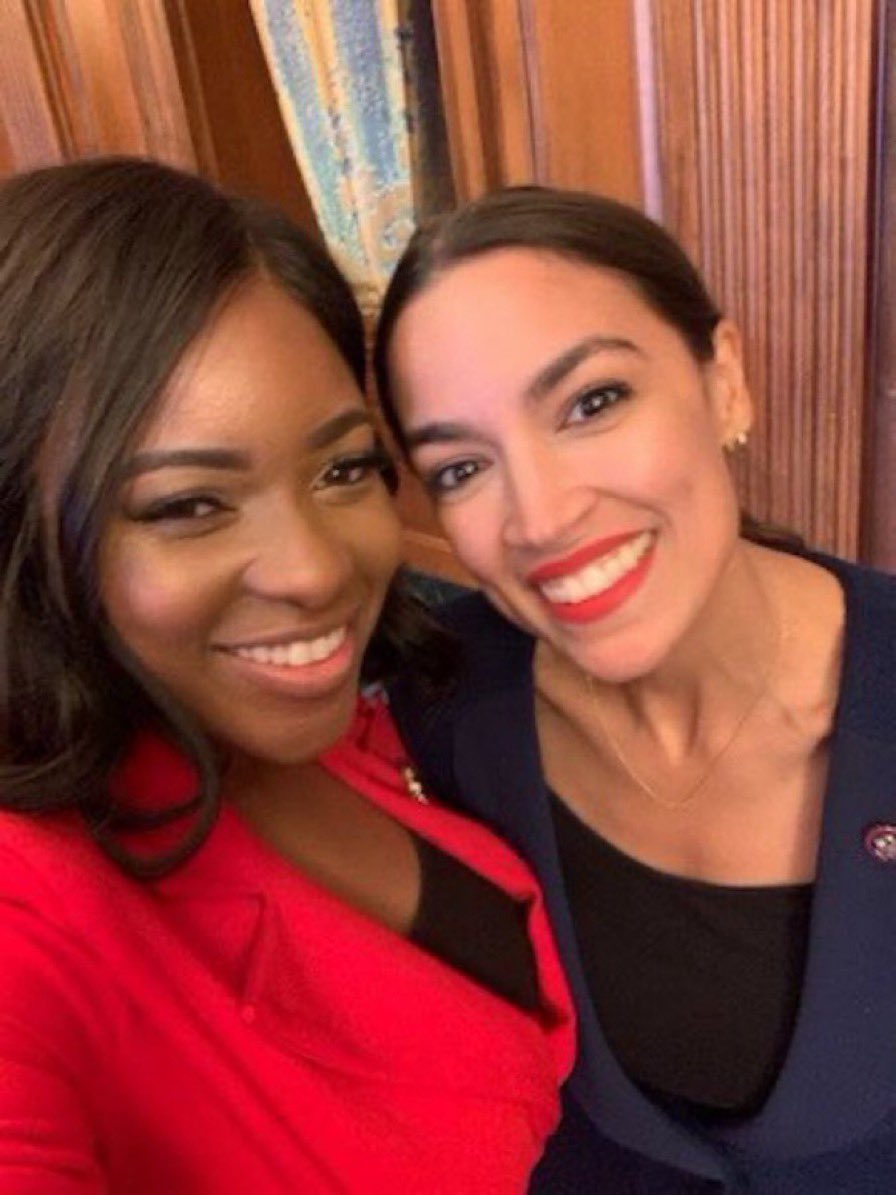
pixel 837 1080
pixel 327 983
pixel 843 1051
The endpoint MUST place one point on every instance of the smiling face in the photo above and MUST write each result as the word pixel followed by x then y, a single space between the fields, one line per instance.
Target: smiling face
pixel 253 540
pixel 573 446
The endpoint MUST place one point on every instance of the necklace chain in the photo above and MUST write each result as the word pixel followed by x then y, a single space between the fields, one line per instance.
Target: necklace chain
pixel 697 787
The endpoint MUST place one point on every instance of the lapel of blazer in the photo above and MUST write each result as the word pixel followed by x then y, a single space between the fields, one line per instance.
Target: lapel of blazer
pixel 329 985
pixel 839 1077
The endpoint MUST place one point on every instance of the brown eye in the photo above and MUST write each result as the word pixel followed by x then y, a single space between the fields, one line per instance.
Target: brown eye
pixel 347 471
pixel 453 476
pixel 182 508
pixel 595 400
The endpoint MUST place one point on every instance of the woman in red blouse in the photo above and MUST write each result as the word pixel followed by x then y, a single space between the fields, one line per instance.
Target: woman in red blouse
pixel 240 952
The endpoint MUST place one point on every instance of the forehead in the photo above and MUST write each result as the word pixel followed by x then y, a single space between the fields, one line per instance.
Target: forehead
pixel 263 370
pixel 511 309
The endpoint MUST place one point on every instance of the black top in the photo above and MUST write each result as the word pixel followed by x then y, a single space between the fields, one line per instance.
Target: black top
pixel 473 925
pixel 695 985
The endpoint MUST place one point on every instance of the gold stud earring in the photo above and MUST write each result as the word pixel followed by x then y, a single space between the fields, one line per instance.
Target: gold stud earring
pixel 737 441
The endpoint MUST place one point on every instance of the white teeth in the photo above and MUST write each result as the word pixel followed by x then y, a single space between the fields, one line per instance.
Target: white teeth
pixel 299 654
pixel 296 654
pixel 599 575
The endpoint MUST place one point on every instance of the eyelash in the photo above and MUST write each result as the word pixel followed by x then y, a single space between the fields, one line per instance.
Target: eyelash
pixel 435 480
pixel 181 508
pixel 352 470
pixel 343 473
pixel 608 395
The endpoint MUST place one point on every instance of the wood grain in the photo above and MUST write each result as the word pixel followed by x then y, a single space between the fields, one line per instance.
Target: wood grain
pixel 540 92
pixel 879 521
pixel 584 95
pixel 231 107
pixel 765 114
pixel 84 77
pixel 31 131
pixel 485 90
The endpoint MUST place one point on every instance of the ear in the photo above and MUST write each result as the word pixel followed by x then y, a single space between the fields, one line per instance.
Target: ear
pixel 729 397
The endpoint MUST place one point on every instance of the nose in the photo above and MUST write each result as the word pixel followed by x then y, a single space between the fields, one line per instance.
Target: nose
pixel 544 502
pixel 296 556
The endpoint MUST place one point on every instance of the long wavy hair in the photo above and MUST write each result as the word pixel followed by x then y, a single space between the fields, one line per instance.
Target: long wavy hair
pixel 108 271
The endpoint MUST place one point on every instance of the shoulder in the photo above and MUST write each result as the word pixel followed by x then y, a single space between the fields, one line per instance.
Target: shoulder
pixel 870 596
pixel 494 659
pixel 52 926
pixel 872 585
pixel 41 855
pixel 868 679
pixel 492 651
pixel 58 893
pixel 494 668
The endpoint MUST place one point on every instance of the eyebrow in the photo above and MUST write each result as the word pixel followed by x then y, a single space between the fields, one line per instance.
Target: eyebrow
pixel 337 427
pixel 223 458
pixel 555 371
pixel 544 381
pixel 178 458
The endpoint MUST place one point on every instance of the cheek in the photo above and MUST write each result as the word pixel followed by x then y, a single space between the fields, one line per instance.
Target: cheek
pixel 473 527
pixel 375 541
pixel 148 604
pixel 676 464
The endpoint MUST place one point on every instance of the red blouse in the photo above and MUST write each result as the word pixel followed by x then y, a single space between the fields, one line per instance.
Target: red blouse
pixel 236 1028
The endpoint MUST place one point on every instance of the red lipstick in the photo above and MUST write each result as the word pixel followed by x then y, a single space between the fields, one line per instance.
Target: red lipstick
pixel 578 559
pixel 608 600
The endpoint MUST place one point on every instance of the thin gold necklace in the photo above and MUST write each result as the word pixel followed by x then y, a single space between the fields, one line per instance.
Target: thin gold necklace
pixel 697 787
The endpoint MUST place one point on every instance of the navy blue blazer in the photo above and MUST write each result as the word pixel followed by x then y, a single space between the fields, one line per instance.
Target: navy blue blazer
pixel 829 1124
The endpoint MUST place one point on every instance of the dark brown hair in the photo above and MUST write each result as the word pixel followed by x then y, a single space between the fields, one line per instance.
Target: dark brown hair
pixel 573 224
pixel 108 271
pixel 579 226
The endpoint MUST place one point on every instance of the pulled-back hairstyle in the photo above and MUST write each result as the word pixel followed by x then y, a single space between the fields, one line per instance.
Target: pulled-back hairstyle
pixel 582 227
pixel 576 225
pixel 108 271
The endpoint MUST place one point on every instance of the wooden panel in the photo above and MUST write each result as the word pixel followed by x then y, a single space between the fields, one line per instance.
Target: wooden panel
pixel 879 523
pixel 543 92
pixel 583 80
pixel 30 133
pixel 765 112
pixel 181 80
pixel 86 77
pixel 118 77
pixel 231 106
pixel 486 93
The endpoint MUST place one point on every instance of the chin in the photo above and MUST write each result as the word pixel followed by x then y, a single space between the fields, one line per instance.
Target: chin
pixel 617 663
pixel 297 740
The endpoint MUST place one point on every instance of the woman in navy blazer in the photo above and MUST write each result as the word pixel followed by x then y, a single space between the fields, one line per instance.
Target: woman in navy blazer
pixel 684 724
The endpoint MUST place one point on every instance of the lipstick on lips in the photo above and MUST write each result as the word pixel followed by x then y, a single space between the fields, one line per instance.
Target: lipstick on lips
pixel 597 579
